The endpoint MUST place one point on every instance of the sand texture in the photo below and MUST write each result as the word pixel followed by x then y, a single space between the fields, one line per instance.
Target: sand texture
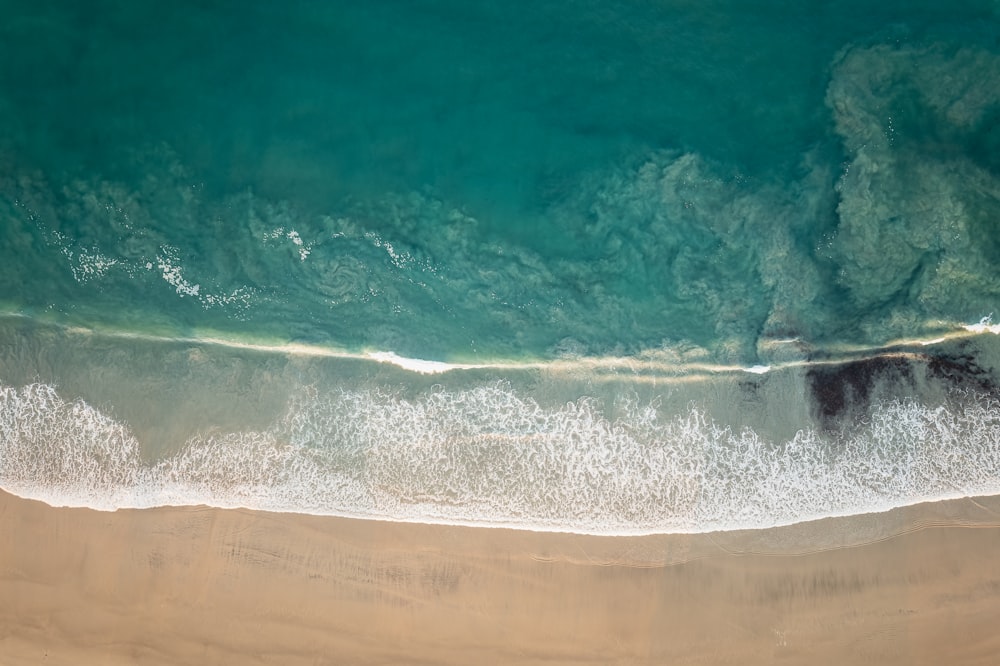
pixel 919 585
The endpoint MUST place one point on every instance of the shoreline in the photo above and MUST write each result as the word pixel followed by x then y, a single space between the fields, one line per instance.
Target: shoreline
pixel 200 585
pixel 805 525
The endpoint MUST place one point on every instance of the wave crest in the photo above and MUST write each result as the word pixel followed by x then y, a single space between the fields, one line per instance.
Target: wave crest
pixel 493 457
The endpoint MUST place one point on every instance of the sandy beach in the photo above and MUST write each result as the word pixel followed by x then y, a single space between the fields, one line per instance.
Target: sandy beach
pixel 198 585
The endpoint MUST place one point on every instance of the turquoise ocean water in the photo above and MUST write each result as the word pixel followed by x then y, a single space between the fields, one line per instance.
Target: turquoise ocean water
pixel 602 266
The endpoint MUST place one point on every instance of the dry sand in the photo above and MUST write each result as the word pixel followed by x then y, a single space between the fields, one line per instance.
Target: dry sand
pixel 209 586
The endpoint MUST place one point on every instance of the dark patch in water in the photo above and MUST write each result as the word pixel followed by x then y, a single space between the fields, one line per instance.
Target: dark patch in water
pixel 839 389
pixel 961 371
pixel 750 390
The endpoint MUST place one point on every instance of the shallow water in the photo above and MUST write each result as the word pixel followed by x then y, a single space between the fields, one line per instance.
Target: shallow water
pixel 604 211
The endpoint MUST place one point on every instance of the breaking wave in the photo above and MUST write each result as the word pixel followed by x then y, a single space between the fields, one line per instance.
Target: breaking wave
pixel 490 456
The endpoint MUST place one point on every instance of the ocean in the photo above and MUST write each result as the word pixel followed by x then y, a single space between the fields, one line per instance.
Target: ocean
pixel 613 267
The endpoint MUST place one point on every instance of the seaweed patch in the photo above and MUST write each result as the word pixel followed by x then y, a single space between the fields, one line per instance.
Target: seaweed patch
pixel 840 388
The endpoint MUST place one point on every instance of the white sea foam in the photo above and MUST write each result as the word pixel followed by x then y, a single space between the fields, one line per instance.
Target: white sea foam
pixel 65 452
pixel 304 249
pixel 985 325
pixel 88 264
pixel 168 263
pixel 489 456
pixel 419 365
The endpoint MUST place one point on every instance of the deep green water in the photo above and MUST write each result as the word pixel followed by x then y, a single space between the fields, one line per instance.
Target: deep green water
pixel 719 181
pixel 495 179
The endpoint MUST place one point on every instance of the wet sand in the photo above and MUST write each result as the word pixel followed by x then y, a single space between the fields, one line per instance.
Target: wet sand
pixel 197 585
